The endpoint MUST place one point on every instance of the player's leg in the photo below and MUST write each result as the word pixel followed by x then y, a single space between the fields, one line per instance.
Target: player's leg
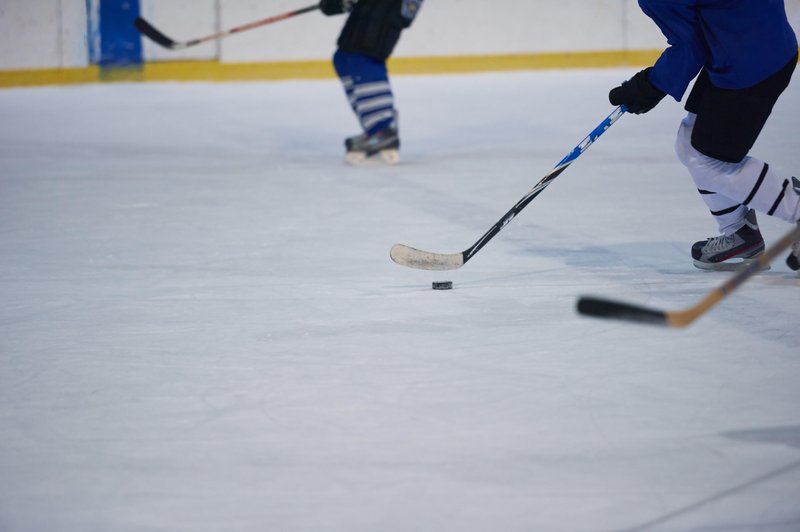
pixel 342 65
pixel 713 142
pixel 367 87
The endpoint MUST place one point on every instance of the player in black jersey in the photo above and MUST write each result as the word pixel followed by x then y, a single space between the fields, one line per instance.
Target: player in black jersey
pixel 367 40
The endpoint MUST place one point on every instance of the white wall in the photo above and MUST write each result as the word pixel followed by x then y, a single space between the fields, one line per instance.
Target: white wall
pixel 183 20
pixel 444 27
pixel 524 26
pixel 454 27
pixel 308 36
pixel 42 34
pixel 52 33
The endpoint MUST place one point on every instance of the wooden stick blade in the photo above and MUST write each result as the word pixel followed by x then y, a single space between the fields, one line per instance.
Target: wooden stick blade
pixel 425 260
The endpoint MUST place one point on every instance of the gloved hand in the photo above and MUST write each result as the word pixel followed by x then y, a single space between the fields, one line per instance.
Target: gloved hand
pixel 334 7
pixel 409 10
pixel 637 94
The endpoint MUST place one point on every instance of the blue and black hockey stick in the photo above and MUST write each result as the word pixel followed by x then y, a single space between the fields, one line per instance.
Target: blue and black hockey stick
pixel 426 260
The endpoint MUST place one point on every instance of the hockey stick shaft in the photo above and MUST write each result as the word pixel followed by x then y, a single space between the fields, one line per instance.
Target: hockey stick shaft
pixel 148 30
pixel 545 181
pixel 604 308
pixel 424 260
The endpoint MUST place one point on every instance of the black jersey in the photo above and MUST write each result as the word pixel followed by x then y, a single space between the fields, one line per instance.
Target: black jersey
pixel 374 26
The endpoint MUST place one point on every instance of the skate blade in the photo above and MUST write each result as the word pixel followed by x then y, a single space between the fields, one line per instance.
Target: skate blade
pixel 360 158
pixel 728 266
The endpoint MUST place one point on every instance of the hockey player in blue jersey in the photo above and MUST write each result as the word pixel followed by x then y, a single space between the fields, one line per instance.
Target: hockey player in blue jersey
pixel 367 40
pixel 743 53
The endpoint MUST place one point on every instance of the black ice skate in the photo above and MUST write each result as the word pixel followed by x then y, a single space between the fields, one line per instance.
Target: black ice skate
pixel 349 142
pixel 793 260
pixel 730 252
pixel 381 146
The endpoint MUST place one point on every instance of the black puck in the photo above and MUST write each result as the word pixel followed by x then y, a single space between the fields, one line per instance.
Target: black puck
pixel 442 285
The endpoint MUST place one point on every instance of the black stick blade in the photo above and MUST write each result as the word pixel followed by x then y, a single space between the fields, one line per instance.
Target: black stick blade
pixel 603 308
pixel 147 29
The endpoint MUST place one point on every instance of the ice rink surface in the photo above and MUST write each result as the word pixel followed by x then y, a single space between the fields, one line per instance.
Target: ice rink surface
pixel 201 328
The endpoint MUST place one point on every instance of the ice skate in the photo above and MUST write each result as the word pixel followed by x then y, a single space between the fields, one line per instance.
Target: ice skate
pixel 383 146
pixel 349 142
pixel 732 252
pixel 793 260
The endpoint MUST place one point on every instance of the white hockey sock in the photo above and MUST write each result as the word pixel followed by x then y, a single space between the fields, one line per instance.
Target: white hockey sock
pixel 726 187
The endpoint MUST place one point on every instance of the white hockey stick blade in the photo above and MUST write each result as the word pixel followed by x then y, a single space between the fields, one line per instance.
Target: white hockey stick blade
pixel 425 260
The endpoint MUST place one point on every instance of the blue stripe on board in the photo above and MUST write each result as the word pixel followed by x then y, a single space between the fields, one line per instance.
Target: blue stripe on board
pixel 120 42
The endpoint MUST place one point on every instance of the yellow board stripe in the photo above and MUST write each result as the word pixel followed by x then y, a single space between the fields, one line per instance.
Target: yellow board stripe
pixel 495 63
pixel 322 69
pixel 55 76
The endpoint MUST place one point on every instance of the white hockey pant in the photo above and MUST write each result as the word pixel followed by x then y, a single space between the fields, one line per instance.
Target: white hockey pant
pixel 728 189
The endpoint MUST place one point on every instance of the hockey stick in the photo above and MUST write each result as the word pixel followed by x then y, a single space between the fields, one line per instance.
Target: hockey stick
pixel 426 260
pixel 604 308
pixel 148 30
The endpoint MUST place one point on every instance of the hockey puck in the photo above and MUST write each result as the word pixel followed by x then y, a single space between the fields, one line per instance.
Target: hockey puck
pixel 442 285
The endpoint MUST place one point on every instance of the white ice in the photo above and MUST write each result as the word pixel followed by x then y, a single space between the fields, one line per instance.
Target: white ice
pixel 201 329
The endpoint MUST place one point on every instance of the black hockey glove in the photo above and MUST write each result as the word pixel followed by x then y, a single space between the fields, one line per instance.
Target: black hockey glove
pixel 637 94
pixel 409 10
pixel 334 7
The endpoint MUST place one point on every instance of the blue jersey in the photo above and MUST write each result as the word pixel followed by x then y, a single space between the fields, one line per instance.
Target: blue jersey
pixel 739 42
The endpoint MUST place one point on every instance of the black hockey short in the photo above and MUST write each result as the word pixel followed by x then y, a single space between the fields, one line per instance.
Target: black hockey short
pixel 729 121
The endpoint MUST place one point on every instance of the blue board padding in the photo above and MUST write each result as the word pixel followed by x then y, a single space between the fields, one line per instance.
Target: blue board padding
pixel 120 42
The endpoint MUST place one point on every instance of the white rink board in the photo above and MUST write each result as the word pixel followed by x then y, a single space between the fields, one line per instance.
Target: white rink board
pixel 44 34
